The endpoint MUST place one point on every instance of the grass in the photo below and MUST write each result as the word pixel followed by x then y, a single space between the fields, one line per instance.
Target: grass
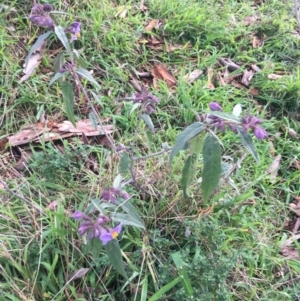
pixel 230 253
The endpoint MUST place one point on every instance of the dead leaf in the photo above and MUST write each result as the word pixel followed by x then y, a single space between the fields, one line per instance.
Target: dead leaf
pixel 296 164
pixel 289 253
pixel 291 133
pixel 210 78
pixel 274 76
pixel 295 208
pixel 237 84
pixel 3 144
pixel 257 41
pixel 153 24
pixel 191 77
pixel 33 63
pixel 121 11
pixel 255 68
pixel 172 47
pixel 54 131
pixel 247 76
pixel 253 91
pixel 229 64
pixel 78 274
pixel 160 72
pixel 52 205
pixel 273 168
pixel 250 20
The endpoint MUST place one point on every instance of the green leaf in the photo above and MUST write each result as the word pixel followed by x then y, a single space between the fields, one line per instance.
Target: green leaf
pixel 165 288
pixel 248 144
pixel 196 144
pixel 124 162
pixel 180 265
pixel 184 137
pixel 128 219
pixel 212 168
pixel 68 94
pixel 113 252
pixel 79 60
pixel 188 173
pixel 147 119
pixel 93 120
pixel 144 290
pixel 226 116
pixel 55 78
pixel 60 33
pixel 40 40
pixel 88 76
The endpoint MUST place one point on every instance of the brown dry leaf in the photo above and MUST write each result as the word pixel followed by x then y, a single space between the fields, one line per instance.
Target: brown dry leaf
pixel 191 77
pixel 53 131
pixel 271 148
pixel 251 20
pixel 222 77
pixel 273 168
pixel 78 274
pixel 153 24
pixel 292 133
pixel 52 205
pixel 295 208
pixel 296 164
pixel 257 41
pixel 247 76
pixel 237 84
pixel 255 68
pixel 274 76
pixel 210 78
pixel 3 144
pixel 122 11
pixel 229 64
pixel 160 72
pixel 253 91
pixel 172 47
pixel 33 63
pixel 289 253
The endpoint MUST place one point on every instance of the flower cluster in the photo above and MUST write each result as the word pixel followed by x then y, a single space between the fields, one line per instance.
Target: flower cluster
pixel 39 15
pixel 247 123
pixel 97 229
pixel 147 100
pixel 112 193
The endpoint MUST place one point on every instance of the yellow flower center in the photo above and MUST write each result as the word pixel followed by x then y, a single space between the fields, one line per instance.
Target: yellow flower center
pixel 78 35
pixel 114 234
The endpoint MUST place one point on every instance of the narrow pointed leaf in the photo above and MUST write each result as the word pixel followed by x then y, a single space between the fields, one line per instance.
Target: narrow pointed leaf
pixel 55 78
pixel 93 120
pixel 184 137
pixel 196 144
pixel 68 94
pixel 248 144
pixel 188 173
pixel 147 119
pixel 181 269
pixel 88 76
pixel 164 289
pixel 114 254
pixel 40 40
pixel 60 33
pixel 212 166
pixel 124 163
pixel 225 116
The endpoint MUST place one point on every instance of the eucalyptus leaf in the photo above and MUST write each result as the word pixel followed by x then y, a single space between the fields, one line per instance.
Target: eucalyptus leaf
pixel 248 143
pixel 88 76
pixel 184 137
pixel 68 94
pixel 113 252
pixel 212 168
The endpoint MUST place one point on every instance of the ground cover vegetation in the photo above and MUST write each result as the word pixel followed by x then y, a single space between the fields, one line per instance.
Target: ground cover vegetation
pixel 149 150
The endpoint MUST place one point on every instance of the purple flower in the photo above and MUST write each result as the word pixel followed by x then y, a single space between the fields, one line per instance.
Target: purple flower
pixel 260 133
pixel 214 106
pixel 74 29
pixel 250 122
pixel 148 100
pixel 111 194
pixel 40 17
pixel 78 215
pixel 111 234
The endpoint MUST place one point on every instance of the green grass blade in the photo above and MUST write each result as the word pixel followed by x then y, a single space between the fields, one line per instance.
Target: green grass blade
pixel 165 288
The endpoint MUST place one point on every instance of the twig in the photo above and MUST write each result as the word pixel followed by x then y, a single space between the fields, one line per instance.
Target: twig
pixel 296 8
pixel 6 188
